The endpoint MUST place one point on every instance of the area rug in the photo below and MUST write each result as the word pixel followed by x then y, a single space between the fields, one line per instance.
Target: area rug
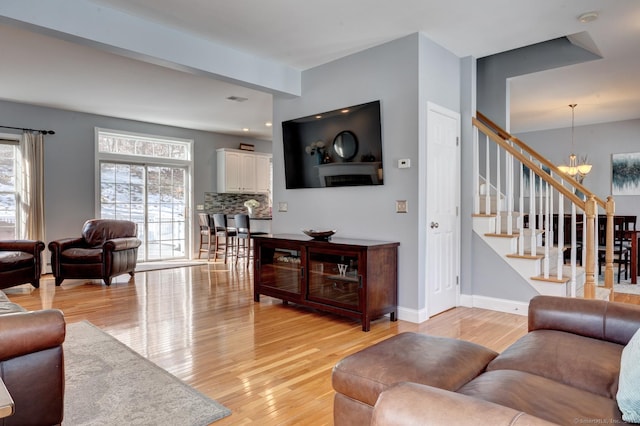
pixel 109 384
pixel 627 288
pixel 625 285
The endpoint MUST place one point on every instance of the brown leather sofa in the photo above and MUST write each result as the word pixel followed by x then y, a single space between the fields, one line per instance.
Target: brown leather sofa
pixel 20 262
pixel 564 371
pixel 31 363
pixel 107 248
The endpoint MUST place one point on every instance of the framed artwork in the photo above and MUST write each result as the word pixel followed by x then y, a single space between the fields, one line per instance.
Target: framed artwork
pixel 625 174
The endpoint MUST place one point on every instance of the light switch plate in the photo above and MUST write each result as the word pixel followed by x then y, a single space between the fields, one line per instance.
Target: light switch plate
pixel 200 207
pixel 401 206
pixel 283 206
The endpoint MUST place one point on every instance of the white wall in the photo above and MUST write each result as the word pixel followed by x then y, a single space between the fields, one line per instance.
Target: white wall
pixel 403 74
pixel 69 160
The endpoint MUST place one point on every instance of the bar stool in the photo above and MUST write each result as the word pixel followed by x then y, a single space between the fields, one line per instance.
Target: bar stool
pixel 222 231
pixel 206 231
pixel 243 226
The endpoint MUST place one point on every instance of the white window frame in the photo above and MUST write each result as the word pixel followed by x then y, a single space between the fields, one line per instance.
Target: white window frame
pixel 156 161
pixel 14 139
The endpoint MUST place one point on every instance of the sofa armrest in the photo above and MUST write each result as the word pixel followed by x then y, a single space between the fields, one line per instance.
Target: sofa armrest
pixel 58 246
pixel 416 404
pixel 598 319
pixel 118 244
pixel 34 247
pixel 23 333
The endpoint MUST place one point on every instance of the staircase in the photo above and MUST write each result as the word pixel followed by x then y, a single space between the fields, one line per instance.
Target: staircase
pixel 519 211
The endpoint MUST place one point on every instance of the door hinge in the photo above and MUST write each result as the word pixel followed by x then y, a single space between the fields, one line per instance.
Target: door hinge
pixel 457 140
pixel 456 211
pixel 457 280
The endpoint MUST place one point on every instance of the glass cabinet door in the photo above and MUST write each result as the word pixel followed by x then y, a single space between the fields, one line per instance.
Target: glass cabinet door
pixel 281 268
pixel 334 278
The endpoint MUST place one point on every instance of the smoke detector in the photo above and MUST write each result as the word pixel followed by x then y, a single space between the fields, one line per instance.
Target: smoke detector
pixel 587 17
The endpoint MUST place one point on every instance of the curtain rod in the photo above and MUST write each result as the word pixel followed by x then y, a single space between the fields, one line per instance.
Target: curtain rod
pixel 44 132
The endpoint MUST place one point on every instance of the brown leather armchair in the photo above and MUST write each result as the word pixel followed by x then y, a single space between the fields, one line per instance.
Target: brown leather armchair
pixel 20 262
pixel 32 363
pixel 107 248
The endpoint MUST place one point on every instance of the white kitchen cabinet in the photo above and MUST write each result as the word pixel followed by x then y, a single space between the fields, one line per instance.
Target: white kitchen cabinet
pixel 263 173
pixel 243 172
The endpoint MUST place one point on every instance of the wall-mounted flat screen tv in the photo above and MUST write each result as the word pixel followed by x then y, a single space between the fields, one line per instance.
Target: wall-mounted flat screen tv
pixel 335 148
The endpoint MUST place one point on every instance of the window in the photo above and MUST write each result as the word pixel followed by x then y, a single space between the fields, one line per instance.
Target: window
pixel 146 180
pixel 9 188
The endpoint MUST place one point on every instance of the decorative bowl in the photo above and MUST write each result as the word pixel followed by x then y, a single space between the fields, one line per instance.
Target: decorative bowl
pixel 319 235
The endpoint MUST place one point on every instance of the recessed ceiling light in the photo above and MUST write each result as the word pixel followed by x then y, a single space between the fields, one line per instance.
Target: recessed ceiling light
pixel 587 17
pixel 344 111
pixel 318 116
pixel 268 124
pixel 245 129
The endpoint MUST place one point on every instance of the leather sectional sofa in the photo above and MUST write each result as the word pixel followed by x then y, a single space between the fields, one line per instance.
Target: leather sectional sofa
pixel 32 363
pixel 564 371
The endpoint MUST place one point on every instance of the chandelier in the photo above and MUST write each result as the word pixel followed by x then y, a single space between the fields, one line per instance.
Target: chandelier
pixel 576 170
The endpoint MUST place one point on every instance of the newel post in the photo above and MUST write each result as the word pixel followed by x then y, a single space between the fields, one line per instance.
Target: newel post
pixel 608 256
pixel 590 284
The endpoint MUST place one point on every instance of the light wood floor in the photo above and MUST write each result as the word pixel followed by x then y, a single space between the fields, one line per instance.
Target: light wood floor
pixel 269 363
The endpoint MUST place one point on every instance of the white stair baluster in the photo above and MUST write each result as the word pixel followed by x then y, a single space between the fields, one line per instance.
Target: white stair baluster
pixel 560 235
pixel 572 282
pixel 498 192
pixel 521 210
pixel 476 173
pixel 487 179
pixel 532 212
pixel 547 234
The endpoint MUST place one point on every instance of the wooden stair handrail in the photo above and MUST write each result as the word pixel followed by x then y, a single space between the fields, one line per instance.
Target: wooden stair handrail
pixel 530 164
pixel 506 136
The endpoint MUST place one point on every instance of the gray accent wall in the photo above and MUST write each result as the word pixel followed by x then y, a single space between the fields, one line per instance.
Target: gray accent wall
pixel 598 142
pixel 70 160
pixel 403 74
pixel 495 70
pixel 487 282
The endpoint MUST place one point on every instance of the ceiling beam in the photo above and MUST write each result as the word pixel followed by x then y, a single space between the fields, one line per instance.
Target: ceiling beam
pixel 86 23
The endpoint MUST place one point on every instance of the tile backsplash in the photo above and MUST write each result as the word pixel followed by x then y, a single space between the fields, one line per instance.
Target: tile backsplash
pixel 234 203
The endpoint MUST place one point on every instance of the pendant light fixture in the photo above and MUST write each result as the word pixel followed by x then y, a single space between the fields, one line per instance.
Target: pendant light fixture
pixel 575 170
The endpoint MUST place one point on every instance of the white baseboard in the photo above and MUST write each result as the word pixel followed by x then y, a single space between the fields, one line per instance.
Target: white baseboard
pixel 469 301
pixel 494 304
pixel 412 315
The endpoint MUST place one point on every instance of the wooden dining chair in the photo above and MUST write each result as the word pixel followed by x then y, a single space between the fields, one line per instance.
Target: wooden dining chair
pixel 621 255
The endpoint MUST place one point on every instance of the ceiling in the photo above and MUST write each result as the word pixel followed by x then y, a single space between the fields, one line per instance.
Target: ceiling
pixel 61 73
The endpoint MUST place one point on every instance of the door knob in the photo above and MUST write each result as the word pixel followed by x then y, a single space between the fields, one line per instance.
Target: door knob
pixel 434 225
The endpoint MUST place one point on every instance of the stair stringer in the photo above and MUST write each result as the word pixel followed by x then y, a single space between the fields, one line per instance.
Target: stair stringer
pixel 526 268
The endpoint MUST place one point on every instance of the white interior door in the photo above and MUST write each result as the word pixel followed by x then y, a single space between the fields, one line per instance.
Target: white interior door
pixel 443 199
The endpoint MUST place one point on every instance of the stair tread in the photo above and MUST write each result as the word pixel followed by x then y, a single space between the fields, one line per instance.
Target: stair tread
pixel 552 279
pixel 525 256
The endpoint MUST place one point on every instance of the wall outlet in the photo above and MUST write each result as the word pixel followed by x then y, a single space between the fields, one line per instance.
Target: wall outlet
pixel 283 206
pixel 404 163
pixel 200 207
pixel 401 206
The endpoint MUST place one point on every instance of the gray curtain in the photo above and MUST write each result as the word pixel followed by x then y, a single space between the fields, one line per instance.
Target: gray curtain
pixel 32 188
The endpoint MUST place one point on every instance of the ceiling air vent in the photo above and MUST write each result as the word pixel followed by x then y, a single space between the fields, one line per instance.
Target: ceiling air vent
pixel 237 98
